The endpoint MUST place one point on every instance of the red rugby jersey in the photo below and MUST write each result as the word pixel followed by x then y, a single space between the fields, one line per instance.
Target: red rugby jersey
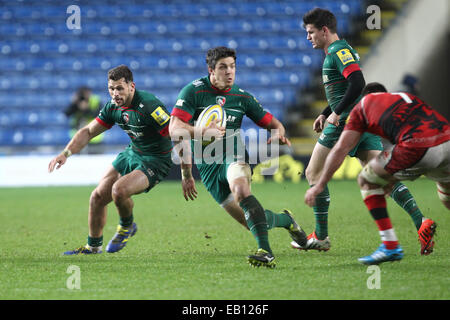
pixel 402 118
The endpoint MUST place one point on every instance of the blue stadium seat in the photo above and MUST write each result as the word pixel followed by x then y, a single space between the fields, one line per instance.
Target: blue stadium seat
pixel 50 12
pixel 265 25
pixel 219 9
pixel 6 137
pixel 41 137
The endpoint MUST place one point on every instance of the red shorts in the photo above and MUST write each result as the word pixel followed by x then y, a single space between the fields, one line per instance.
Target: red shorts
pixel 400 158
pixel 408 163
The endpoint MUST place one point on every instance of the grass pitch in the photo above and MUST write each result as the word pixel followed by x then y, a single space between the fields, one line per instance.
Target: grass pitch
pixel 195 251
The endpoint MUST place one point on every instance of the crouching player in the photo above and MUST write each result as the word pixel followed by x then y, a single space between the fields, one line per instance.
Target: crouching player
pixel 420 139
pixel 137 169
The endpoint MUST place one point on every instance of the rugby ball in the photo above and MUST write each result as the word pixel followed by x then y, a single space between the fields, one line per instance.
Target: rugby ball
pixel 208 115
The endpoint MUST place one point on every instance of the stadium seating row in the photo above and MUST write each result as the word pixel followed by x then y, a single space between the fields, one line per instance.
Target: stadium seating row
pixel 95 29
pixel 78 45
pixel 160 9
pixel 183 63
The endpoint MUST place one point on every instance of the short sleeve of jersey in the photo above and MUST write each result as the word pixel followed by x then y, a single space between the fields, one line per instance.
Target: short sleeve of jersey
pixel 356 120
pixel 159 116
pixel 185 106
pixel 104 116
pixel 257 114
pixel 345 62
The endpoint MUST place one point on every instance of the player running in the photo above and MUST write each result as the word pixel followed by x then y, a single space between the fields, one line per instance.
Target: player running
pixel 420 139
pixel 228 178
pixel 343 81
pixel 143 164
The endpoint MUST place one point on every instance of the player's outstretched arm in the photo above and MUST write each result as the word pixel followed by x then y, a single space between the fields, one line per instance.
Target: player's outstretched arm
pixel 77 143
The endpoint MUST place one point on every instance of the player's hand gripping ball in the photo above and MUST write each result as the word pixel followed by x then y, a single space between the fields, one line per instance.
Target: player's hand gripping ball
pixel 212 113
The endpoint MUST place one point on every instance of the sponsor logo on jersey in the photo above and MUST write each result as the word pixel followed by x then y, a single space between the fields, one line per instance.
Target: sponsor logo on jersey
pixel 134 133
pixel 179 103
pixel 160 116
pixel 325 78
pixel 220 100
pixel 126 117
pixel 231 118
pixel 345 56
pixel 197 83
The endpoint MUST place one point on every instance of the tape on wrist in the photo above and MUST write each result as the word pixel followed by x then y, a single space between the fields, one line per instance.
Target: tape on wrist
pixel 186 173
pixel 67 153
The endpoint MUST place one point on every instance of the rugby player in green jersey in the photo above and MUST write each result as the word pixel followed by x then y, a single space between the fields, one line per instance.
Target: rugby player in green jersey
pixel 343 81
pixel 142 165
pixel 228 177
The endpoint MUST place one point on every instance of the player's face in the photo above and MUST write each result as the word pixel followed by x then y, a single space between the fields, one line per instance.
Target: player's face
pixel 121 91
pixel 315 36
pixel 223 75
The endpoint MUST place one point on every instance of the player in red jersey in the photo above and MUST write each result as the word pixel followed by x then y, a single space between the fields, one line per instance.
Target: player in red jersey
pixel 420 139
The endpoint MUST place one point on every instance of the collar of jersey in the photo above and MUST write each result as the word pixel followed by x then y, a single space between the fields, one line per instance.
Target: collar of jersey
pixel 331 47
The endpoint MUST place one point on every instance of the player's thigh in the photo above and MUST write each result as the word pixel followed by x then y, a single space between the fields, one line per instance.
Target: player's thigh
pixel 364 156
pixel 132 183
pixel 368 147
pixel 316 162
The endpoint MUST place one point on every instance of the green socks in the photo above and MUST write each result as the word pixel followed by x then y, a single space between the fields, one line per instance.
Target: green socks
pixel 277 220
pixel 321 213
pixel 256 221
pixel 401 195
pixel 95 242
pixel 126 222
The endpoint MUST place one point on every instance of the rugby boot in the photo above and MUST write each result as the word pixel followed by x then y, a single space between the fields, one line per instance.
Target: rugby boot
pixel 382 255
pixel 121 238
pixel 426 233
pixel 262 258
pixel 312 243
pixel 295 231
pixel 84 250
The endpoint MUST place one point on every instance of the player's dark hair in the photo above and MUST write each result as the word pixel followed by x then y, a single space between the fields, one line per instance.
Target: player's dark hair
pixel 120 72
pixel 320 18
pixel 215 54
pixel 373 87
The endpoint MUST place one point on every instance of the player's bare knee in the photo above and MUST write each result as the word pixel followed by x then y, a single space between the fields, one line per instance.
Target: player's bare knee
pixel 119 192
pixel 369 176
pixel 240 191
pixel 98 198
pixel 239 177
